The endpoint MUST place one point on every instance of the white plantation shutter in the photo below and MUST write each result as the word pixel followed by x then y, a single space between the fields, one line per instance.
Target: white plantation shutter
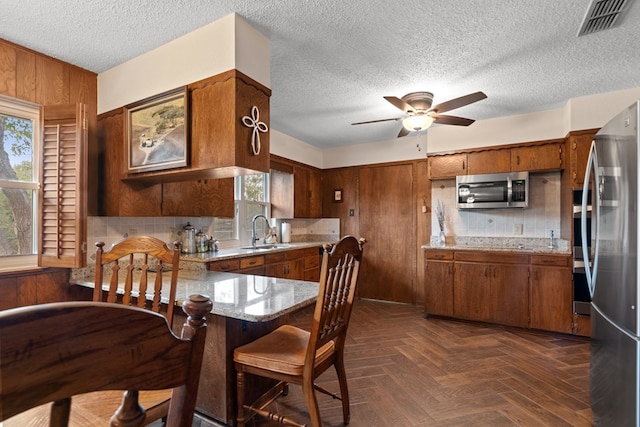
pixel 63 192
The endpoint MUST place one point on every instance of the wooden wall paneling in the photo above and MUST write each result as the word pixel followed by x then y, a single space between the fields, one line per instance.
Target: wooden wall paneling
pixel 8 293
pixel 387 221
pixel 51 286
pixel 7 70
pixel 52 81
pixel 423 222
pixel 26 76
pixel 345 179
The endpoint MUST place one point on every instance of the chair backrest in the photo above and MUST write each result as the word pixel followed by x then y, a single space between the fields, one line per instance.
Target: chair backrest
pixel 338 279
pixel 131 261
pixel 51 352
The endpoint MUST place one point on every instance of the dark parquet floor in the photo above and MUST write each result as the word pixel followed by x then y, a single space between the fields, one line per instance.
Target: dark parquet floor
pixel 407 370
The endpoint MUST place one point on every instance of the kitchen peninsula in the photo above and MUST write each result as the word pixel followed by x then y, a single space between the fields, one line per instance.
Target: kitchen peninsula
pixel 245 307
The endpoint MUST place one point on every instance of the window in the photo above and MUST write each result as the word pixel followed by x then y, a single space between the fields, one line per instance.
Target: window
pixel 252 198
pixel 19 169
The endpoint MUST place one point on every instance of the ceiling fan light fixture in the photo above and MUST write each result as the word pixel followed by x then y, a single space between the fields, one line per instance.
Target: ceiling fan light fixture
pixel 417 122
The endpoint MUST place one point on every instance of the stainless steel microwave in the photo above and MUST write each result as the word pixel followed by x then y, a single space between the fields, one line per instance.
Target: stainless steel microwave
pixel 495 190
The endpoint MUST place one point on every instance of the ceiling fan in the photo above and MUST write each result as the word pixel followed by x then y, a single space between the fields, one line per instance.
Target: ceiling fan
pixel 420 113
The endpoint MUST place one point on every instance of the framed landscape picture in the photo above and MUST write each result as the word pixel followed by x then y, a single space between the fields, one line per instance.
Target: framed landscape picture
pixel 157 132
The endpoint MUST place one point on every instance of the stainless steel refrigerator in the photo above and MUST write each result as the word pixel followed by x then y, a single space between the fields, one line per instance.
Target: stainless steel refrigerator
pixel 612 270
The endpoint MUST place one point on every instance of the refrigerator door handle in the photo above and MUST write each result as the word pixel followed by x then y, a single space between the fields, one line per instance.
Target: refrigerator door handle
pixel 591 270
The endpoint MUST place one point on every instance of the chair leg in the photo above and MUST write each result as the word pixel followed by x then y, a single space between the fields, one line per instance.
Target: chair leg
pixel 344 390
pixel 312 402
pixel 240 378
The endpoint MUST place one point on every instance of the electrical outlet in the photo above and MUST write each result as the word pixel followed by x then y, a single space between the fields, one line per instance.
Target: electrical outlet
pixel 517 229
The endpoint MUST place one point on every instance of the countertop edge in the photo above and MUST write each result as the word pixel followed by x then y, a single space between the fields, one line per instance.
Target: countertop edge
pixel 232 253
pixel 525 250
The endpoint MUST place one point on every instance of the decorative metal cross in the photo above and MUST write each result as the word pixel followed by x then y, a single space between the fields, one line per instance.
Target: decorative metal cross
pixel 258 126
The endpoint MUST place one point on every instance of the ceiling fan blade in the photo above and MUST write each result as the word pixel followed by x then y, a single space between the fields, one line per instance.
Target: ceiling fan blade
pixel 452 120
pixel 399 103
pixel 403 132
pixel 377 121
pixel 452 104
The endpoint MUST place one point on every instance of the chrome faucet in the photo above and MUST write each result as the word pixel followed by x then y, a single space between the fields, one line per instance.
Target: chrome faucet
pixel 552 244
pixel 254 238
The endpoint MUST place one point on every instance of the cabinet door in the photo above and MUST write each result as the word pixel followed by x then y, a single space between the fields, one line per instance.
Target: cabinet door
pixel 510 294
pixel 307 198
pixel 536 158
pixel 471 291
pixel 209 197
pixel 447 166
pixel 490 161
pixel 551 304
pixel 438 288
pixel 580 146
pixel 293 269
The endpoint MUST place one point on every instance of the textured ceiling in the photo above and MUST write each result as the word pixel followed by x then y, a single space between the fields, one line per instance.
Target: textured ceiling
pixel 332 61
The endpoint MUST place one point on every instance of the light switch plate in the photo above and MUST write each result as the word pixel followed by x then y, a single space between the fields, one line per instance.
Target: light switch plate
pixel 517 229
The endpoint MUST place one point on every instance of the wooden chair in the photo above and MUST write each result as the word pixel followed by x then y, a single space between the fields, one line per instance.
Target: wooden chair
pixel 130 261
pixel 292 355
pixel 51 352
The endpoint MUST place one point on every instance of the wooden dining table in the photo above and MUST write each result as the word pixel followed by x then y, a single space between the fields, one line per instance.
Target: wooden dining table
pixel 245 307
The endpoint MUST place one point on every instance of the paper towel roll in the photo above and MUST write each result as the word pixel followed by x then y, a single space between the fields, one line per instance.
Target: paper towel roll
pixel 286 232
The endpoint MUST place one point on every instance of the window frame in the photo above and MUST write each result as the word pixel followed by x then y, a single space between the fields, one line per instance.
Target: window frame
pixel 243 231
pixel 30 111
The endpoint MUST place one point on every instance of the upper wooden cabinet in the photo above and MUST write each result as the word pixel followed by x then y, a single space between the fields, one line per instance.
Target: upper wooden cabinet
pixel 532 157
pixel 579 144
pixel 537 157
pixel 212 197
pixel 307 193
pixel 296 189
pixel 220 148
pixel 447 166
pixel 489 161
pixel 220 145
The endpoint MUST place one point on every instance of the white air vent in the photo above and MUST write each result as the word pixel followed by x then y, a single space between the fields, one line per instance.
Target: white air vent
pixel 603 14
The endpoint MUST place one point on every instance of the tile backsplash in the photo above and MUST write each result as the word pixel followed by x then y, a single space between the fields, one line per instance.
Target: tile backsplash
pixel 542 215
pixel 113 229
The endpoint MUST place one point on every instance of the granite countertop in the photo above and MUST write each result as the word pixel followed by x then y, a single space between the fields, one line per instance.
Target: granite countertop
pixel 524 249
pixel 500 244
pixel 230 253
pixel 238 296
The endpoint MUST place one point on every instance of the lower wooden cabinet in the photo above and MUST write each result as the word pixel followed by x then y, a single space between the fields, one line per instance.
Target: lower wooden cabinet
pixel 523 290
pixel 551 306
pixel 295 264
pixel 492 292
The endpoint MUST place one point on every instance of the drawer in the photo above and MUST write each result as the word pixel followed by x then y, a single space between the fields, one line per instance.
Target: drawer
pixel 311 261
pixel 254 261
pixel 554 260
pixel 276 257
pixel 495 257
pixel 227 265
pixel 442 255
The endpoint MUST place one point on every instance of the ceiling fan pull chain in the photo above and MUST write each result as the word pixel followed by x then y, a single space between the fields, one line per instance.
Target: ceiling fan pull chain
pixel 254 122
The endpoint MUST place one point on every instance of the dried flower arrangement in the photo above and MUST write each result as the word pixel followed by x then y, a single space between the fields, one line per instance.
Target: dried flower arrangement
pixel 440 215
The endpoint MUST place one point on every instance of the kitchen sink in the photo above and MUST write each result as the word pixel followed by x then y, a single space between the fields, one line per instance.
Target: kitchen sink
pixel 264 247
